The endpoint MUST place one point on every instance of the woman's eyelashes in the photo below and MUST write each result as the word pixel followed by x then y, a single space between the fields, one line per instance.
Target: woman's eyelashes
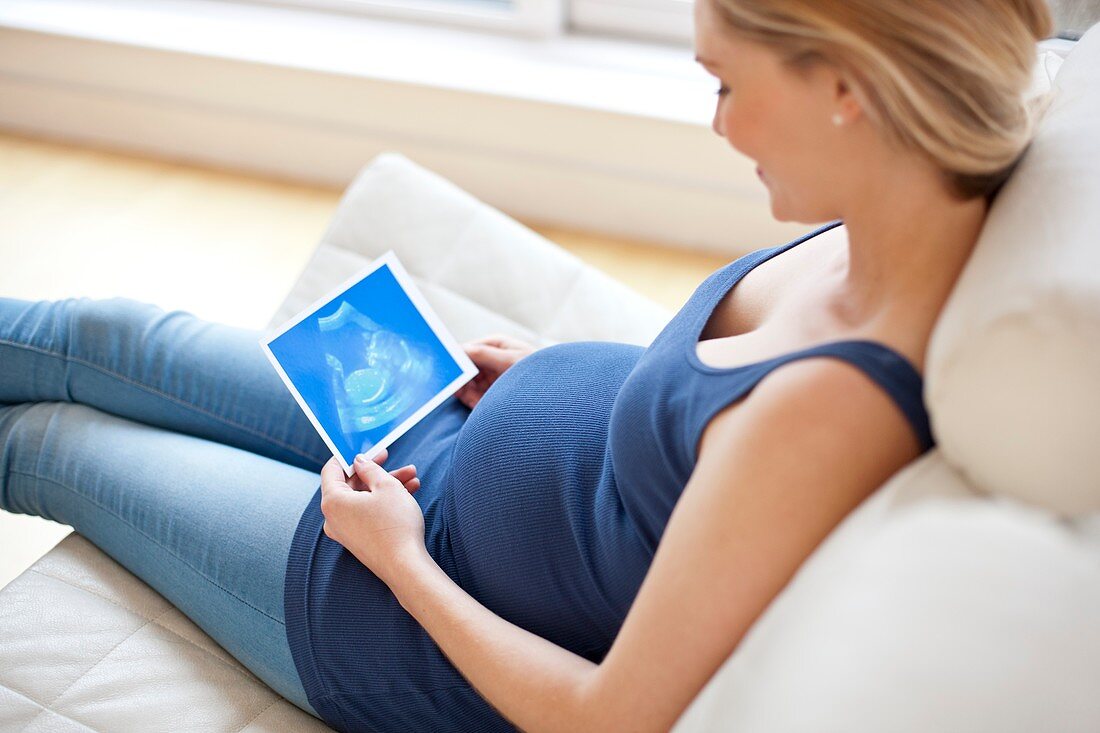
pixel 722 90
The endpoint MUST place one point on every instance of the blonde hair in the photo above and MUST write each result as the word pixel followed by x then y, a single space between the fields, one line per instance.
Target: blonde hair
pixel 944 77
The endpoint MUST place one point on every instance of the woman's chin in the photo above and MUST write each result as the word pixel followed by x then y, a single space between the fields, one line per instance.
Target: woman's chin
pixel 779 212
pixel 774 200
pixel 782 211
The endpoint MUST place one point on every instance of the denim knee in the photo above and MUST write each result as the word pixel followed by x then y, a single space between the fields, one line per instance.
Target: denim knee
pixel 100 319
pixel 52 325
pixel 113 333
pixel 22 431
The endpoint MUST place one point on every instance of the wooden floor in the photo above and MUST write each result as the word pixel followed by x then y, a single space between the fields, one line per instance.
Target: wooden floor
pixel 225 246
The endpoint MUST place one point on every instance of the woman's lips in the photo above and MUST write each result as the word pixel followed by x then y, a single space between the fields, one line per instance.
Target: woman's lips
pixel 760 173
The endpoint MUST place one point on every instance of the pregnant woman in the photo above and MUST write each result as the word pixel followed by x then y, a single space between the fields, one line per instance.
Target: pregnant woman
pixel 580 537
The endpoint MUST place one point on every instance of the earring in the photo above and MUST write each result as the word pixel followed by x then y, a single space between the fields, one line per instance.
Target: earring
pixel 838 119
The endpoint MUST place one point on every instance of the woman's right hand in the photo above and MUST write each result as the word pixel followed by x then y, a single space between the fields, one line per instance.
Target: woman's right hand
pixel 492 355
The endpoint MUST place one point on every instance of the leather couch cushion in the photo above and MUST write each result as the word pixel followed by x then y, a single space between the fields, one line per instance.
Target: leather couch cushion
pixel 1012 385
pixel 930 608
pixel 86 645
pixel 481 270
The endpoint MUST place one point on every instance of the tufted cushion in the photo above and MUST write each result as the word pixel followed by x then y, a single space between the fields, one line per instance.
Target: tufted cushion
pixel 1012 383
pixel 87 646
pixel 481 270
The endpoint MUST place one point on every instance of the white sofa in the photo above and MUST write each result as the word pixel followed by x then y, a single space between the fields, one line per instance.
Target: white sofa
pixel 964 595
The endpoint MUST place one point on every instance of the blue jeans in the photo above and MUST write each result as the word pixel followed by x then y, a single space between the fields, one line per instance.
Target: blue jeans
pixel 172 444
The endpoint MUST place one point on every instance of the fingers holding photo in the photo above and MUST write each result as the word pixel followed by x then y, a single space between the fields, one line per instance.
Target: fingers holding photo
pixel 471 393
pixel 334 480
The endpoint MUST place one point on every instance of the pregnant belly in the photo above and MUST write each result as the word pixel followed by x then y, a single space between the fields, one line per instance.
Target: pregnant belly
pixel 536 523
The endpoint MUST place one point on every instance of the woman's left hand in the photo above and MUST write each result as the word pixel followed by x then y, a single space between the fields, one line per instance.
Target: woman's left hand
pixel 373 513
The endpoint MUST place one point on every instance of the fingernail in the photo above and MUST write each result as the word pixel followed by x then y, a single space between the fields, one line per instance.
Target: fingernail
pixel 361 458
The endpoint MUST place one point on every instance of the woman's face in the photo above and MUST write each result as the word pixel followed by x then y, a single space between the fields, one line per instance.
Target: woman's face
pixel 779 118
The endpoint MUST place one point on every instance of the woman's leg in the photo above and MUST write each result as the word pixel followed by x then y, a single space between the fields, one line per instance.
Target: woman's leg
pixel 167 369
pixel 207 525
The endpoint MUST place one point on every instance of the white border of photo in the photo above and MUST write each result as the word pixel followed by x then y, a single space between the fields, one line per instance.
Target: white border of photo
pixel 439 329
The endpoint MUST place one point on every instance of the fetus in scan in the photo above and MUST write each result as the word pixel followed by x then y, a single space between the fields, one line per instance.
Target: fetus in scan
pixel 376 374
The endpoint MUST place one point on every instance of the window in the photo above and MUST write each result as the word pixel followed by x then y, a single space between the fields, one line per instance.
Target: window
pixel 657 20
pixel 537 18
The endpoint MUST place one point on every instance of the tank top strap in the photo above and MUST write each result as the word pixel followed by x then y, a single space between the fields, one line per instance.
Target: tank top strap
pixel 897 376
pixel 889 369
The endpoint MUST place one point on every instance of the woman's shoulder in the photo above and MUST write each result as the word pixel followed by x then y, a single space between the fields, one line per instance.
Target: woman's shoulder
pixel 820 409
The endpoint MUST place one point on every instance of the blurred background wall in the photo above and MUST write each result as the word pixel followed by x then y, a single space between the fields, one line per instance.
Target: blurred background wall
pixel 586 114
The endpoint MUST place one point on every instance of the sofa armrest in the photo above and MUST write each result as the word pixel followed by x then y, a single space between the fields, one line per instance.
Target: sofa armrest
pixel 480 270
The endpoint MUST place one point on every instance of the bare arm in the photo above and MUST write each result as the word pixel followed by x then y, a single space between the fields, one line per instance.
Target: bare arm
pixel 777 471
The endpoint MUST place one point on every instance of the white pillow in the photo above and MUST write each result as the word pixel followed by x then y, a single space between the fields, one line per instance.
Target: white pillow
pixel 1013 375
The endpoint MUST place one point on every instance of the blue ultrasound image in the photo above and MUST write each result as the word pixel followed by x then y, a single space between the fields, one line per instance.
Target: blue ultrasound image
pixel 385 373
pixel 365 362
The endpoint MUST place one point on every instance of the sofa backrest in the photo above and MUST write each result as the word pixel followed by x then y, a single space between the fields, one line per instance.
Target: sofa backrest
pixel 1013 369
pixel 480 270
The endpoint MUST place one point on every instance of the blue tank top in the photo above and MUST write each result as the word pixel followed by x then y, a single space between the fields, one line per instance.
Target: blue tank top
pixel 545 503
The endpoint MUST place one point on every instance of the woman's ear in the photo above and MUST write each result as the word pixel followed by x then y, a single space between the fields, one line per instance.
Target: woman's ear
pixel 847 99
pixel 838 99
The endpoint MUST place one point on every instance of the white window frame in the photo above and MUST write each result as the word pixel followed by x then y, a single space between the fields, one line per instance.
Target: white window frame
pixel 528 18
pixel 666 21
pixel 659 20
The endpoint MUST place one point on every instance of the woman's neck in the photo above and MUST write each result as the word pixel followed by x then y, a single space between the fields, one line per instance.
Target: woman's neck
pixel 908 241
